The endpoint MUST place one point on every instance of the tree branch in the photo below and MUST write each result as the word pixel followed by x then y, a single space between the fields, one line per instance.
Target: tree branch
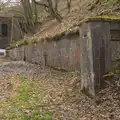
pixel 109 11
pixel 38 3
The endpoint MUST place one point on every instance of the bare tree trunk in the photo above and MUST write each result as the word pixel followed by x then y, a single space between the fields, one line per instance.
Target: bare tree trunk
pixel 53 12
pixel 34 7
pixel 28 13
pixel 69 5
pixel 51 6
pixel 56 5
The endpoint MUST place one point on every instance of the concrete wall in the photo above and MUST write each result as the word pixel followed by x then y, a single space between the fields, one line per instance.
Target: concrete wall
pixel 115 49
pixel 17 53
pixel 64 53
pixel 115 40
pixel 34 53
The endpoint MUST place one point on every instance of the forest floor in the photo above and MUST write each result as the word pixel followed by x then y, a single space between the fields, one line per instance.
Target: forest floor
pixel 32 92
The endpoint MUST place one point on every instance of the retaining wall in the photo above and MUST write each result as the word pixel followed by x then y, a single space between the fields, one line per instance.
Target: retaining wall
pixel 63 53
pixel 115 49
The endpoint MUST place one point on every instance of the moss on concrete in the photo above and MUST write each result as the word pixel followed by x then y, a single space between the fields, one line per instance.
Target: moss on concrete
pixel 104 18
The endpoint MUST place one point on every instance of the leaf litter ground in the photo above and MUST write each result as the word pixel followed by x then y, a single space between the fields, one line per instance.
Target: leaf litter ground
pixel 32 92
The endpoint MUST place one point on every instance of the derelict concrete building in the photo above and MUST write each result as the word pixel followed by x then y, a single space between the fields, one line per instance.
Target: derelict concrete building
pixel 10 29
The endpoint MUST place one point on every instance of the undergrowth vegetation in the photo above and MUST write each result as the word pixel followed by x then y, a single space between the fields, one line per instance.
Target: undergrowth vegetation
pixel 24 105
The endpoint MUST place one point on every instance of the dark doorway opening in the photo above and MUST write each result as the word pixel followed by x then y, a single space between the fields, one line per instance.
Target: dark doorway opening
pixel 4 30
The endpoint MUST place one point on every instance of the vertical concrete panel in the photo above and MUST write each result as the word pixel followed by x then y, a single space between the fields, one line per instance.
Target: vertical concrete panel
pixel 67 57
pixel 29 52
pixel 34 53
pixel 57 54
pixel 71 57
pixel 11 54
pixel 20 53
pixel 78 52
pixel 16 53
pixel 72 54
pixel 107 45
pixel 100 32
pixel 64 55
pixel 53 54
pixel 115 40
pixel 49 56
pixel 38 54
pixel 115 50
pixel 114 25
pixel 68 52
pixel 65 50
pixel 86 61
pixel 75 52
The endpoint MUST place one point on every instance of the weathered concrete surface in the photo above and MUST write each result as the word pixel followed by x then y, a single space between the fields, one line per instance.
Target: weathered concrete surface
pixel 115 49
pixel 95 54
pixel 86 62
pixel 115 40
pixel 100 36
pixel 63 54
pixel 17 53
pixel 34 53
